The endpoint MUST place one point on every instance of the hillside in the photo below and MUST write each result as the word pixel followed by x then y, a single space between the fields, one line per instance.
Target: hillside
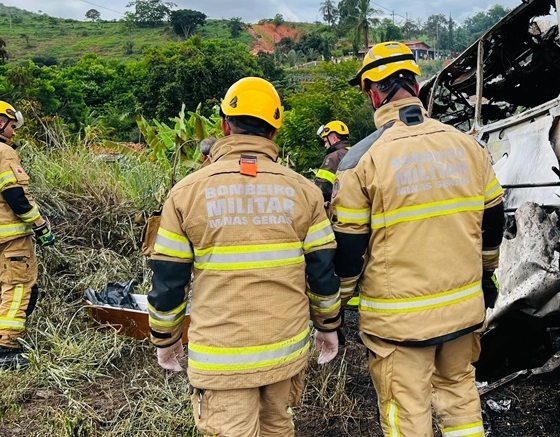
pixel 267 35
pixel 42 38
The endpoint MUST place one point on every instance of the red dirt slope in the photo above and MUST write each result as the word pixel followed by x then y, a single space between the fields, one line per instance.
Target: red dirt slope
pixel 266 35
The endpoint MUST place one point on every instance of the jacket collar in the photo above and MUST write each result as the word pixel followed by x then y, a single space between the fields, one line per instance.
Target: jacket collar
pixel 232 146
pixel 337 146
pixel 390 111
pixel 8 142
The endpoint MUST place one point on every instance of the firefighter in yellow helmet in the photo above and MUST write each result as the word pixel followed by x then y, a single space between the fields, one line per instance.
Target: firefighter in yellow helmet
pixel 335 136
pixel 257 240
pixel 19 220
pixel 420 202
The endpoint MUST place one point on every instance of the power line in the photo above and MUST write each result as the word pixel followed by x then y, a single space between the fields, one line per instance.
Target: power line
pixel 393 13
pixel 102 7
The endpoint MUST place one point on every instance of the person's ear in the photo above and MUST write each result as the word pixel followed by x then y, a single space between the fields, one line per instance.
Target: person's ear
pixel 226 129
pixel 375 97
pixel 273 134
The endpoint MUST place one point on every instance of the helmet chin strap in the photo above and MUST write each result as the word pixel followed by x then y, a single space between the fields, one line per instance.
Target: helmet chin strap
pixel 397 86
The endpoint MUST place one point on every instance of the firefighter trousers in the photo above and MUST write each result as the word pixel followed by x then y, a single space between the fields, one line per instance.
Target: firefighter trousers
pixel 18 288
pixel 410 380
pixel 251 412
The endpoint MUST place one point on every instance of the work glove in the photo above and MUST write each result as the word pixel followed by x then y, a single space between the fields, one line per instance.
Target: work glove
pixel 490 288
pixel 44 235
pixel 168 357
pixel 327 345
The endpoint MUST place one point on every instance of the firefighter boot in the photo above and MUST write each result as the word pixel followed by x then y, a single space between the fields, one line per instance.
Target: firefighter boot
pixel 12 358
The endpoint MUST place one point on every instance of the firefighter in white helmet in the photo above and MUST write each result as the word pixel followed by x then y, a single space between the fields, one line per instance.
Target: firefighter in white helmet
pixel 257 238
pixel 335 136
pixel 19 220
pixel 420 202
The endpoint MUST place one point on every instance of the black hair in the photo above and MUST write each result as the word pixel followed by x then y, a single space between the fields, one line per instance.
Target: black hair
pixel 387 83
pixel 250 125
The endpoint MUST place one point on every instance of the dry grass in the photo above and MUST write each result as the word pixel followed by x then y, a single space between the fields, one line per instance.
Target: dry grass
pixel 85 381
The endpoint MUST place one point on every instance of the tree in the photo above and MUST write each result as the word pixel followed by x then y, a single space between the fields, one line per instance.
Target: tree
pixel 435 27
pixel 347 13
pixel 364 22
pixel 151 13
pixel 278 20
pixel 409 29
pixel 93 15
pixel 235 26
pixel 285 44
pixel 193 72
pixel 390 31
pixel 329 12
pixel 185 21
pixel 272 70
pixel 482 21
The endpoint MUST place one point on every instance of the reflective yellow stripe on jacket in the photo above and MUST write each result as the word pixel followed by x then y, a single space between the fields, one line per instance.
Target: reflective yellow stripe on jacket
pixel 423 303
pixel 255 256
pixel 324 304
pixel 326 175
pixel 353 216
pixel 493 190
pixel 224 359
pixel 169 319
pixel 12 229
pixel 318 234
pixel 6 178
pixel 426 210
pixel 172 244
pixel 31 215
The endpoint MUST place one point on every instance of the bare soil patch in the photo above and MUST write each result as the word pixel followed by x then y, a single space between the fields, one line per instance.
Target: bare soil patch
pixel 266 35
pixel 531 405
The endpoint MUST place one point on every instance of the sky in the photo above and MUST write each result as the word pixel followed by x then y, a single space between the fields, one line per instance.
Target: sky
pixel 251 11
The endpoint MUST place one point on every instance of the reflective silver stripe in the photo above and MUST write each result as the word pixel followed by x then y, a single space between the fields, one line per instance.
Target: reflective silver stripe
pixel 493 190
pixel 347 215
pixel 169 318
pixel 214 358
pixel 470 430
pixel 321 302
pixel 421 303
pixel 392 415
pixel 318 235
pixel 420 212
pixel 245 257
pixel 17 324
pixel 16 302
pixel 31 215
pixel 347 289
pixel 15 229
pixel 490 252
pixel 6 178
pixel 171 244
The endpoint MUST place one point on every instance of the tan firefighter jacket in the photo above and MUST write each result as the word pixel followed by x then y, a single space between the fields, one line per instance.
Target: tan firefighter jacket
pixel 256 244
pixel 414 198
pixel 17 216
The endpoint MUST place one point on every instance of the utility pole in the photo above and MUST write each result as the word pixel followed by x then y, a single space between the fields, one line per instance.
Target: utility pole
pixel 393 14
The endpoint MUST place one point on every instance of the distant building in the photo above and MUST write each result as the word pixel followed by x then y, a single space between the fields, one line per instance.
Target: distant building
pixel 419 49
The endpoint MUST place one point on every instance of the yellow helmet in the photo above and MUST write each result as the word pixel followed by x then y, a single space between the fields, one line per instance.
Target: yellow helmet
pixel 255 97
pixel 384 59
pixel 334 126
pixel 10 112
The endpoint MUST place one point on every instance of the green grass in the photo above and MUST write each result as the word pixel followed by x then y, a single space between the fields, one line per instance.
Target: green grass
pixel 30 36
